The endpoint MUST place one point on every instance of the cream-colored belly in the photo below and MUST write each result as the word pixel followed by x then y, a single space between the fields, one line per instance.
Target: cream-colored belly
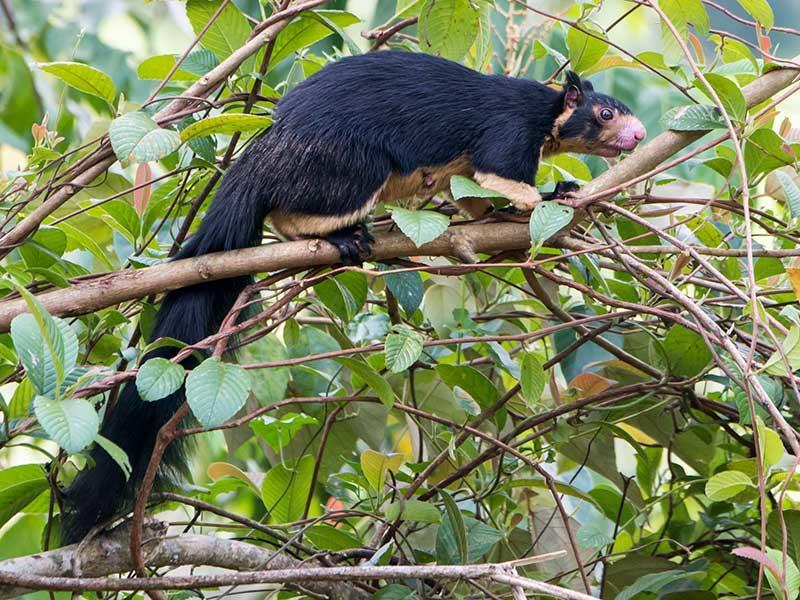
pixel 423 182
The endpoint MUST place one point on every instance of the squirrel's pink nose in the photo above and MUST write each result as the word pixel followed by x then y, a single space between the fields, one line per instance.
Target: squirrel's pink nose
pixel 639 132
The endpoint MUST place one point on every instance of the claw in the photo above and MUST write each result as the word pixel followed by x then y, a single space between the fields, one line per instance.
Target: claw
pixel 561 190
pixel 353 243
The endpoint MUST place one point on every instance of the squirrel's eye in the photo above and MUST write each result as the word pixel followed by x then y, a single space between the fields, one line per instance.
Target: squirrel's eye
pixel 606 114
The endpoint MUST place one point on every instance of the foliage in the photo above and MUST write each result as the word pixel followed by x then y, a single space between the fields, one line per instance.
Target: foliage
pixel 606 393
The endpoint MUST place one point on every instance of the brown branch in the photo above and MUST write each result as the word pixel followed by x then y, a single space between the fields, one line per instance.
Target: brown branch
pixel 109 554
pixel 109 289
pixel 50 570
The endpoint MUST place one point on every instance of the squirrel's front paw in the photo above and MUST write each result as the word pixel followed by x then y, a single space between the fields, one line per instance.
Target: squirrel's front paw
pixel 562 189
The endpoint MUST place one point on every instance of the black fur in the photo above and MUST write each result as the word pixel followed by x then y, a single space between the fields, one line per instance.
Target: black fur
pixel 335 139
pixel 189 314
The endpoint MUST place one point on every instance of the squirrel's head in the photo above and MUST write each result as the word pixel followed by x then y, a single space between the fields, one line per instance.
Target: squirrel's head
pixel 593 123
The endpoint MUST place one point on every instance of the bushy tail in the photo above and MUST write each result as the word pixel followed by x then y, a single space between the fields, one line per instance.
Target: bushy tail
pixel 234 220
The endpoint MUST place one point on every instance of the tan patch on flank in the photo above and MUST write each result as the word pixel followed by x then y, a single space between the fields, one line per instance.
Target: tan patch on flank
pixel 522 195
pixel 426 181
pixel 296 225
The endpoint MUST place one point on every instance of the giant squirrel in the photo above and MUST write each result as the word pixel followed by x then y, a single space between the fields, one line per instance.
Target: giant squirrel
pixel 364 130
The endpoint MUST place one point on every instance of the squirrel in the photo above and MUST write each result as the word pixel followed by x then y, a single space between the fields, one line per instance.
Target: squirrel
pixel 363 130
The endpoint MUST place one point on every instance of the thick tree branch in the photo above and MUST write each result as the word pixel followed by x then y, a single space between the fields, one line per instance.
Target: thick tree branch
pixel 107 290
pixel 109 554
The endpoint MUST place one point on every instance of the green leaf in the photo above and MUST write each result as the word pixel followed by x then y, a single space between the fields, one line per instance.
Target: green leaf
pixel 770 443
pixel 327 537
pixel 726 485
pixel 686 11
pixel 584 50
pixel 413 510
pixel 135 137
pixel 729 92
pixel 421 226
pixel 116 453
pixel 376 465
pixel 403 348
pixel 216 391
pixel 792 192
pixel 84 241
pixel 226 34
pixel 548 218
pixel 84 78
pixel 158 378
pixel 448 28
pixel 267 385
pixel 464 187
pixel 761 11
pixel 72 424
pixel 307 30
pixel 687 351
pixel 695 117
pixel 46 346
pixel 158 67
pixel 344 295
pixel 472 381
pixel 19 486
pixel 653 582
pixel 531 379
pixel 395 591
pixel 224 124
pixel 200 62
pixel 592 536
pixel 44 248
pixel 776 365
pixel 278 433
pixel 322 16
pixel 481 538
pixel 285 491
pixel 407 288
pixel 371 378
pixel 453 525
pixel 764 151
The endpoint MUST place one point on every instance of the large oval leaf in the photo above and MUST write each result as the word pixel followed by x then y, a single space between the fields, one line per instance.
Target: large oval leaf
pixel 226 34
pixel 584 50
pixel 548 218
pixel 216 390
pixel 726 485
pixel 73 424
pixel 158 378
pixel 83 77
pixel 135 137
pixel 421 226
pixel 403 348
pixel 448 27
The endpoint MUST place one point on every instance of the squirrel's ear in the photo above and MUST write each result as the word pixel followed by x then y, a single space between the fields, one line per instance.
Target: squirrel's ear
pixel 573 90
pixel 587 86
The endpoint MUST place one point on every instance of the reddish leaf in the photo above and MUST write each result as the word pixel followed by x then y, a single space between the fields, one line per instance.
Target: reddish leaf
pixel 698 48
pixel 142 195
pixel 590 384
pixel 764 43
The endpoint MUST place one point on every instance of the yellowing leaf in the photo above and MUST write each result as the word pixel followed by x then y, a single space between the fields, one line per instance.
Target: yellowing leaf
pixel 375 466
